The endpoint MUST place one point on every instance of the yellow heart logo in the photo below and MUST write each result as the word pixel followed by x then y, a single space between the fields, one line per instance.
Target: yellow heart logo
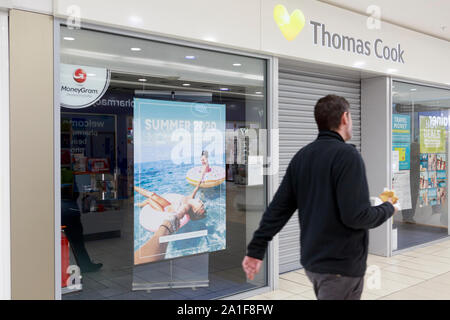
pixel 290 25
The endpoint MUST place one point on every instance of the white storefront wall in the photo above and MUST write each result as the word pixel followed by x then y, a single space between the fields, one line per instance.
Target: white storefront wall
pixel 5 260
pixel 250 25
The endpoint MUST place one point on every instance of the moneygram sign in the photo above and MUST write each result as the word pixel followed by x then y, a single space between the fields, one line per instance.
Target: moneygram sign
pixel 82 86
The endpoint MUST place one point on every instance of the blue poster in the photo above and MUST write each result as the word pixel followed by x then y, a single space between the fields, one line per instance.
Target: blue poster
pixel 404 155
pixel 401 128
pixel 179 179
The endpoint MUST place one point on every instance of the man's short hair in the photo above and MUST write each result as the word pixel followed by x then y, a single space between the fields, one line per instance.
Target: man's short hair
pixel 329 110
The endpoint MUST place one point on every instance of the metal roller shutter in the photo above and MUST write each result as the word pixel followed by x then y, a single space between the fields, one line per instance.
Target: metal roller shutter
pixel 298 93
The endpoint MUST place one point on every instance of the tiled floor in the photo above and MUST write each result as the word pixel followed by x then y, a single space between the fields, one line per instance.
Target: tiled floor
pixel 410 235
pixel 420 274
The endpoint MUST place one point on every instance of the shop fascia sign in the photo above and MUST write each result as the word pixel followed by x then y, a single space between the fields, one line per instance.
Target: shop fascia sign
pixel 292 24
pixel 82 86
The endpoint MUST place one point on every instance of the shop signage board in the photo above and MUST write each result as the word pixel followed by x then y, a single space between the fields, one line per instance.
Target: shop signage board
pixel 173 143
pixel 81 86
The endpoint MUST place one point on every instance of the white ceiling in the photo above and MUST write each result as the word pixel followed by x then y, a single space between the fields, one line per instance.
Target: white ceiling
pixel 424 16
pixel 407 93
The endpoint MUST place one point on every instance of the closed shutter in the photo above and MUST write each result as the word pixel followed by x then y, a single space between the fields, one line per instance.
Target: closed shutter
pixel 298 93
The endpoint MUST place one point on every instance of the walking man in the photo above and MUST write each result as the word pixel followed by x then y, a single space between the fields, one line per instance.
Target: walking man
pixel 326 182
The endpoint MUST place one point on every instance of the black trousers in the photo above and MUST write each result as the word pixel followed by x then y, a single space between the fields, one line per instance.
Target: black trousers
pixel 336 287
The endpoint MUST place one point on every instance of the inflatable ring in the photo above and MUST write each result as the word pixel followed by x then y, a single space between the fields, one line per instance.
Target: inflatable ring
pixel 150 219
pixel 213 178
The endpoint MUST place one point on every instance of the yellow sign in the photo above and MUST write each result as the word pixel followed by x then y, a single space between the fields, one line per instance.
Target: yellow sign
pixel 401 153
pixel 290 25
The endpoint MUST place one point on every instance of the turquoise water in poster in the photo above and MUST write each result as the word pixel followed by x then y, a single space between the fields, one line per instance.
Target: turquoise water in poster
pixel 169 139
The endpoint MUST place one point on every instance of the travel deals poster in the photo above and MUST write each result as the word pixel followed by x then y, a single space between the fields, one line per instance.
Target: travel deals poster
pixel 179 179
pixel 433 158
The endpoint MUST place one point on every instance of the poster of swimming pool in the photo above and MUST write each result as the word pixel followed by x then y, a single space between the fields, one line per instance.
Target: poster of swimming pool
pixel 179 179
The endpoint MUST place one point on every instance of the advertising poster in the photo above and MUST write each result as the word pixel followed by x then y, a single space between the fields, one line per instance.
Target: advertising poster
pixel 423 180
pixel 441 160
pixel 432 135
pixel 431 162
pixel 441 178
pixel 423 198
pixel 423 161
pixel 401 128
pixel 179 174
pixel 400 184
pixel 432 179
pixel 432 197
pixel 403 155
pixel 442 196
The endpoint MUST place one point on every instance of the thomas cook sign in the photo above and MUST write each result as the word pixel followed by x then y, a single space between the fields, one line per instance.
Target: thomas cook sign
pixel 321 35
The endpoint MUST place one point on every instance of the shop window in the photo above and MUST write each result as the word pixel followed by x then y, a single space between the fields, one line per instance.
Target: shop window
pixel 161 168
pixel 420 127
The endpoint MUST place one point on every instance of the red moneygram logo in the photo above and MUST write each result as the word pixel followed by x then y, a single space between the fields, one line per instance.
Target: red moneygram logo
pixel 79 75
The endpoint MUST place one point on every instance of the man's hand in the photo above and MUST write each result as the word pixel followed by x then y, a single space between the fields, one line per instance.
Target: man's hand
pixel 251 266
pixel 395 207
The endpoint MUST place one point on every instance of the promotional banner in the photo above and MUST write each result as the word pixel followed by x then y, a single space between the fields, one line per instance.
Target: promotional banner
pixel 404 158
pixel 179 174
pixel 81 86
pixel 432 134
pixel 401 128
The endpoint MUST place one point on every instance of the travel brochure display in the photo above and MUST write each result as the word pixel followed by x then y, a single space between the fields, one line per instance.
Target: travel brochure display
pixel 433 179
pixel 433 158
pixel 179 174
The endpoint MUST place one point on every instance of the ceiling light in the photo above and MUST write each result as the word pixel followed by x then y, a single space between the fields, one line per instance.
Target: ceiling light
pixel 224 89
pixel 190 57
pixel 210 39
pixel 186 84
pixel 258 92
pixel 413 89
pixel 135 20
pixel 135 49
pixel 69 38
pixel 142 80
pixel 237 64
pixel 359 64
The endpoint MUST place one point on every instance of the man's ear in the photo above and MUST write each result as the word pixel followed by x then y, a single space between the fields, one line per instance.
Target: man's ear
pixel 344 119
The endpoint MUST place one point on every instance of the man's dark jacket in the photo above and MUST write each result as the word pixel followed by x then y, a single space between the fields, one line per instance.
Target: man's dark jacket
pixel 326 182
